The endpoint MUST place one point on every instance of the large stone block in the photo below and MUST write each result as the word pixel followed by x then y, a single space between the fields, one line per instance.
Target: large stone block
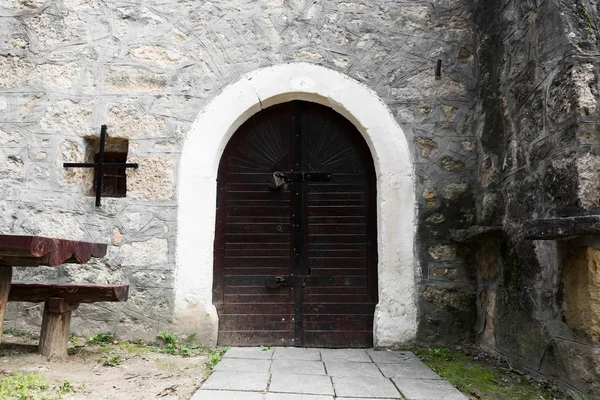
pixel 13 71
pixel 581 290
pixel 154 179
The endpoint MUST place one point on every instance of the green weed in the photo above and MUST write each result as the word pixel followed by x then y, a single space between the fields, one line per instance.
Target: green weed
pixel 215 356
pixel 28 387
pixel 478 380
pixel 174 347
pixel 102 339
pixel 109 361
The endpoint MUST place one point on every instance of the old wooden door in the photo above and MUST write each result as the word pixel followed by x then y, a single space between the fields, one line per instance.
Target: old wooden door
pixel 295 246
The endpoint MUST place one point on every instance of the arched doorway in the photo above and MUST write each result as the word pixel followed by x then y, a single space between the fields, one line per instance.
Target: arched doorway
pixel 296 231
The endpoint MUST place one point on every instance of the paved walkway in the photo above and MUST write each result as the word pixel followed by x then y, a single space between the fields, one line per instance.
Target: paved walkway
pixel 288 373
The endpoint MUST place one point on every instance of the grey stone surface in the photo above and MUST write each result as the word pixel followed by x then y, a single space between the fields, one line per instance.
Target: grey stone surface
pixel 249 352
pixel 285 396
pixel 345 368
pixel 420 389
pixel 243 365
pixel 301 367
pixel 364 387
pixel 249 381
pixel 410 369
pixel 389 357
pixel 226 395
pixel 351 355
pixel 301 384
pixel 296 353
pixel 345 379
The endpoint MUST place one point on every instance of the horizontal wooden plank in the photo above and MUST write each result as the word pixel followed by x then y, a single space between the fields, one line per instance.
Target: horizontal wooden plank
pixel 351 263
pixel 36 250
pixel 346 290
pixel 254 187
pixel 332 187
pixel 257 238
pixel 278 338
pixel 259 195
pixel 259 298
pixel 338 308
pixel 336 272
pixel 258 290
pixel 333 252
pixel 254 246
pixel 260 177
pixel 315 246
pixel 339 238
pixel 335 211
pixel 337 298
pixel 257 262
pixel 257 271
pixel 258 211
pixel 336 203
pixel 339 339
pixel 258 308
pixel 256 322
pixel 265 227
pixel 256 252
pixel 340 219
pixel 258 203
pixel 338 323
pixel 327 196
pixel 337 228
pixel 71 292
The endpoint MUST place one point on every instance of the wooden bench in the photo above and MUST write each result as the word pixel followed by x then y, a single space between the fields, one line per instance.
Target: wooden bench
pixel 60 299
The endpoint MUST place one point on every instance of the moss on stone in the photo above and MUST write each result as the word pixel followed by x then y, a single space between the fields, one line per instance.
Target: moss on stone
pixel 476 379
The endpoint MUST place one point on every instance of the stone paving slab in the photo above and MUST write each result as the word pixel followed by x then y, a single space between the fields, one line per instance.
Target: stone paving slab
pixel 390 357
pixel 350 355
pixel 297 367
pixel 237 381
pixel 243 365
pixel 285 396
pixel 296 353
pixel 249 352
pixel 364 387
pixel 323 374
pixel 226 395
pixel 344 368
pixel 423 389
pixel 301 384
pixel 410 369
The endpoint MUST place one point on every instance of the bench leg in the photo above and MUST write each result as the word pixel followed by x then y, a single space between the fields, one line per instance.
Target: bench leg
pixel 54 337
pixel 5 279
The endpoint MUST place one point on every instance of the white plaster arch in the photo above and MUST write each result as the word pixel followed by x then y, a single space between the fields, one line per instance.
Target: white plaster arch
pixel 396 314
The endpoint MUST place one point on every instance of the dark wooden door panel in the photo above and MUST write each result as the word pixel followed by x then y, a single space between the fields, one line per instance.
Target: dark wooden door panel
pixel 324 229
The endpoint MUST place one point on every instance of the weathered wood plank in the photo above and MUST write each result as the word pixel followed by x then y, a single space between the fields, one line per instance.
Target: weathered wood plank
pixel 36 250
pixel 71 292
pixel 5 278
pixel 54 336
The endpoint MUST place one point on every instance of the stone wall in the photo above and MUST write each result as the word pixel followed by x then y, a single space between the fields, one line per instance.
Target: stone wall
pixel 537 127
pixel 146 70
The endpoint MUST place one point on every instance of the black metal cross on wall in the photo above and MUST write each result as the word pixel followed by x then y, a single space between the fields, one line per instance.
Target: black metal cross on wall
pixel 100 165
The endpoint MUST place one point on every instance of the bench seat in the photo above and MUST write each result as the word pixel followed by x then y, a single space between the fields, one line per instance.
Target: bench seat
pixel 60 300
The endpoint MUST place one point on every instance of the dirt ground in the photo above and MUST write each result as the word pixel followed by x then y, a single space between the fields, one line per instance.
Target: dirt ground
pixel 113 370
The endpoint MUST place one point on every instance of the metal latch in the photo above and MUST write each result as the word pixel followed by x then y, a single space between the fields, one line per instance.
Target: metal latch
pixel 273 282
pixel 281 178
